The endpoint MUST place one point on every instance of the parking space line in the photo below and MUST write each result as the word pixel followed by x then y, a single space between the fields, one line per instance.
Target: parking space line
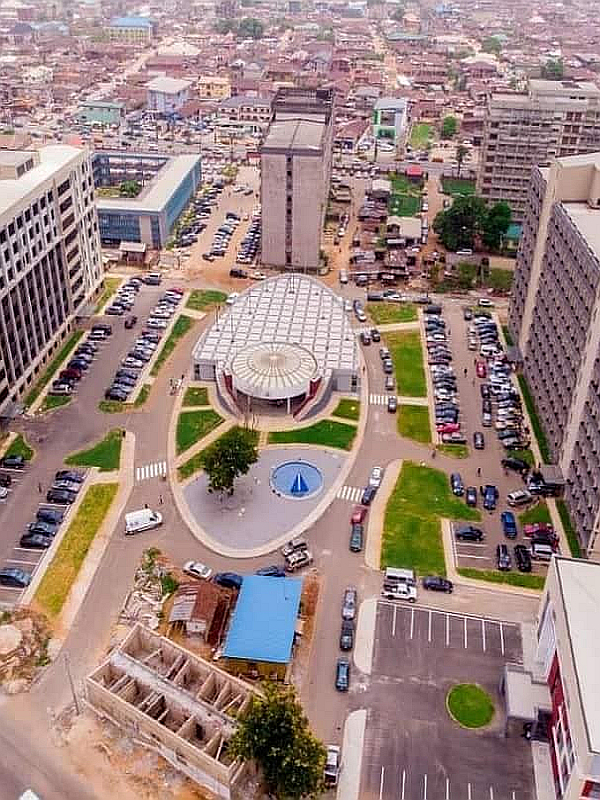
pixel 394 621
pixel 447 788
pixel 447 630
pixel 20 561
pixel 404 784
pixel 483 634
pixel 424 787
pixel 501 638
pixel 472 555
pixel 465 621
pixel 429 629
pixel 491 793
pixel 468 791
pixel 381 783
pixel 412 622
pixel 13 588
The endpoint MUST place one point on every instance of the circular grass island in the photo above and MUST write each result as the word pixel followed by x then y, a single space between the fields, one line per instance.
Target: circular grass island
pixel 469 705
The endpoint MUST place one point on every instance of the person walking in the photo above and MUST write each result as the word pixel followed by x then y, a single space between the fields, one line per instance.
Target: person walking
pixel 160 499
pixel 478 472
pixel 40 488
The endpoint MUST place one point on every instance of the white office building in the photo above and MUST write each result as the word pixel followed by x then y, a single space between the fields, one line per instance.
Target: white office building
pixel 167 95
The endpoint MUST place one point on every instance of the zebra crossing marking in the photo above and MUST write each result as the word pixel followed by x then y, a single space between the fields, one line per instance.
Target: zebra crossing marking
pixel 154 470
pixel 350 493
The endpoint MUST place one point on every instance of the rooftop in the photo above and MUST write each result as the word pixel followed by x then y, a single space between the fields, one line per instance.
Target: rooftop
pixel 130 22
pixel 168 85
pixel 579 583
pixel 398 103
pixel 299 134
pixel 264 620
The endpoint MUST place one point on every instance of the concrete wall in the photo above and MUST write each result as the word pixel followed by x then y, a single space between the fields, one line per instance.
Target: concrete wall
pixel 307 210
pixel 273 194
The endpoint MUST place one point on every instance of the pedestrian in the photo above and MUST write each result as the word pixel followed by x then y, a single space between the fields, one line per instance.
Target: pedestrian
pixel 478 472
pixel 433 453
pixel 146 505
pixel 40 488
pixel 160 499
pixel 466 371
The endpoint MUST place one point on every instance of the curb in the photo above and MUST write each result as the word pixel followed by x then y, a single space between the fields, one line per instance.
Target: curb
pixel 377 515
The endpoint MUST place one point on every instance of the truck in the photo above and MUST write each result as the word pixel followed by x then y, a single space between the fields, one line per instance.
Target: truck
pixel 399 584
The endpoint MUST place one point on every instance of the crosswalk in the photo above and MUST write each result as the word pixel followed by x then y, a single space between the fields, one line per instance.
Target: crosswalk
pixel 350 493
pixel 156 470
pixel 378 399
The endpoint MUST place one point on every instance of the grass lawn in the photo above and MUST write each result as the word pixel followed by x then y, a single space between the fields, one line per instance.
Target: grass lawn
pixel 565 518
pixel 507 336
pixel 470 705
pixel 500 279
pixel 110 287
pixel 387 313
pixel 52 401
pixel 458 186
pixel 524 455
pixel 204 300
pixel 327 433
pixel 195 425
pixel 538 513
pixel 64 567
pixel 403 205
pixel 407 355
pixel 106 454
pixel 116 407
pixel 420 135
pixel 19 447
pixel 411 528
pixel 347 409
pixel 195 463
pixel 413 423
pixel 511 578
pixel 178 331
pixel 454 450
pixel 195 396
pixel 402 185
pixel 53 367
pixel 539 432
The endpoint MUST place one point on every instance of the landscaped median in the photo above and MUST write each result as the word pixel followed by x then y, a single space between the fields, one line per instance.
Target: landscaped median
pixel 53 367
pixel 412 524
pixel 407 357
pixel 205 299
pixel 196 462
pixel 391 313
pixel 195 425
pixel 413 423
pixel 110 287
pixel 20 447
pixel 195 396
pixel 180 328
pixel 538 430
pixel 326 433
pixel 520 579
pixel 347 409
pixel 65 565
pixel 454 450
pixel 106 454
pixel 53 401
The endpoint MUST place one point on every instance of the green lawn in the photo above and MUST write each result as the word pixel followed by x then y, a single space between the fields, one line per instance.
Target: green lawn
pixel 407 356
pixel 389 313
pixel 195 463
pixel 538 513
pixel 403 185
pixel 178 331
pixel 19 447
pixel 403 205
pixel 520 579
pixel 327 433
pixel 454 450
pixel 413 423
pixel 106 454
pixel 539 432
pixel 195 396
pixel 569 529
pixel 458 186
pixel 420 135
pixel 411 529
pixel 470 705
pixel 52 401
pixel 204 300
pixel 347 409
pixel 500 279
pixel 110 287
pixel 66 563
pixel 53 367
pixel 524 455
pixel 195 425
pixel 116 407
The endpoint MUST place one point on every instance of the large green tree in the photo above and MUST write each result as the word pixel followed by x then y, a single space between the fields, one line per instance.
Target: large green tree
pixel 449 127
pixel 491 45
pixel 230 456
pixel 495 225
pixel 275 733
pixel 129 188
pixel 251 28
pixel 458 226
pixel 553 69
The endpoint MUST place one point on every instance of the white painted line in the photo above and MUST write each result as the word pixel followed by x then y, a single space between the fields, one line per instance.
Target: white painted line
pixel 483 634
pixel 20 561
pixel 429 629
pixel 163 467
pixel 501 638
pixel 424 787
pixel 381 783
pixel 514 796
pixel 25 549
pixel 465 621
pixel 470 544
pixel 447 788
pixel 468 791
pixel 12 588
pixel 447 630
pixel 153 471
pixel 404 784
pixel 470 555
pixel 412 622
pixel 31 563
pixel 394 622
pixel 491 793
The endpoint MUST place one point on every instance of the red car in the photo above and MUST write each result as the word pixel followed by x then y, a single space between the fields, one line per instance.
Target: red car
pixel 539 527
pixel 481 369
pixel 448 427
pixel 358 515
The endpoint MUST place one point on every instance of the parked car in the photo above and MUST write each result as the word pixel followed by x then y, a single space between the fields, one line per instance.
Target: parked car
pixel 5 480
pixel 12 462
pixel 392 404
pixel 197 570
pixel 347 635
pixel 456 484
pixel 54 515
pixel 490 496
pixel 349 603
pixel 297 560
pixel 229 580
pixel 376 477
pixel 368 494
pixel 478 440
pixel 130 321
pixel 519 498
pixel 332 765
pixel 342 675
pixel 471 496
pixel 437 584
pixel 358 515
pixel 61 497
pixel 468 533
pixel 516 465
pixel 509 524
pixel 14 577
pixel 273 571
pixel 35 541
pixel 356 538
pixel 503 559
pixel 522 558
pixel 44 527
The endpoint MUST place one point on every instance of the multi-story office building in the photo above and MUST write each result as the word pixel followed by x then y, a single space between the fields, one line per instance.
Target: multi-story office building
pixel 131 30
pixel 553 119
pixel 295 172
pixel 555 320
pixel 50 259
pixel 167 95
pixel 390 118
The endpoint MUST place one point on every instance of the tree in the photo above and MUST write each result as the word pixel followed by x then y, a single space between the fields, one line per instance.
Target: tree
pixel 449 127
pixel 129 188
pixel 491 44
pixel 458 226
pixel 230 456
pixel 224 26
pixel 495 225
pixel 398 13
pixel 553 69
pixel 461 154
pixel 275 733
pixel 251 28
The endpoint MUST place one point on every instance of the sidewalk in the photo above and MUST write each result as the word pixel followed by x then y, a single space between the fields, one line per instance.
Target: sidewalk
pixel 377 515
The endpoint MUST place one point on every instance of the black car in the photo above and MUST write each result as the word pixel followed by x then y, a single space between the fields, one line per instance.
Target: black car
pixel 230 580
pixel 485 391
pixel 273 571
pixel 515 464
pixel 35 541
pixel 437 584
pixel 522 558
pixel 375 335
pixel 12 462
pixel 5 480
pixel 356 537
pixel 478 440
pixel 43 527
pixel 13 576
pixel 368 494
pixel 503 559
pixel 471 496
pixel 347 635
pixel 490 496
pixel 74 475
pixel 115 394
pixel 468 533
pixel 130 321
pixel 392 404
pixel 342 675
pixel 456 484
pixel 60 497
pixel 53 515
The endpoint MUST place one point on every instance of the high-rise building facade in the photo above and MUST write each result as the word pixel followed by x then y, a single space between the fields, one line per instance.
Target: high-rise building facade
pixel 555 320
pixel 50 258
pixel 295 174
pixel 553 119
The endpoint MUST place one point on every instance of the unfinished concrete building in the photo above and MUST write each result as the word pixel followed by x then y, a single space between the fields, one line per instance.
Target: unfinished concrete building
pixel 174 703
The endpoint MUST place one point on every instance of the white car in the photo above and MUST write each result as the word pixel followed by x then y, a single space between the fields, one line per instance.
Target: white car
pixel 197 570
pixel 258 276
pixel 332 765
pixel 485 302
pixel 3 492
pixel 231 298
pixel 153 322
pixel 376 476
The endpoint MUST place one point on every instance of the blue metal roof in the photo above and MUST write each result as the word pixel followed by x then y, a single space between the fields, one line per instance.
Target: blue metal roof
pixel 130 22
pixel 264 620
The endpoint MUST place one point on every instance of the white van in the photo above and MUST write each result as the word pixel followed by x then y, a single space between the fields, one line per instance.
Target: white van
pixel 143 520
pixel 343 276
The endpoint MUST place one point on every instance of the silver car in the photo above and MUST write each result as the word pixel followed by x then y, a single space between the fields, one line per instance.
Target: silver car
pixel 349 603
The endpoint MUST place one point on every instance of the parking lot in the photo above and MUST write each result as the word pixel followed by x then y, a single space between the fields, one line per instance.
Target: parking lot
pixel 413 750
